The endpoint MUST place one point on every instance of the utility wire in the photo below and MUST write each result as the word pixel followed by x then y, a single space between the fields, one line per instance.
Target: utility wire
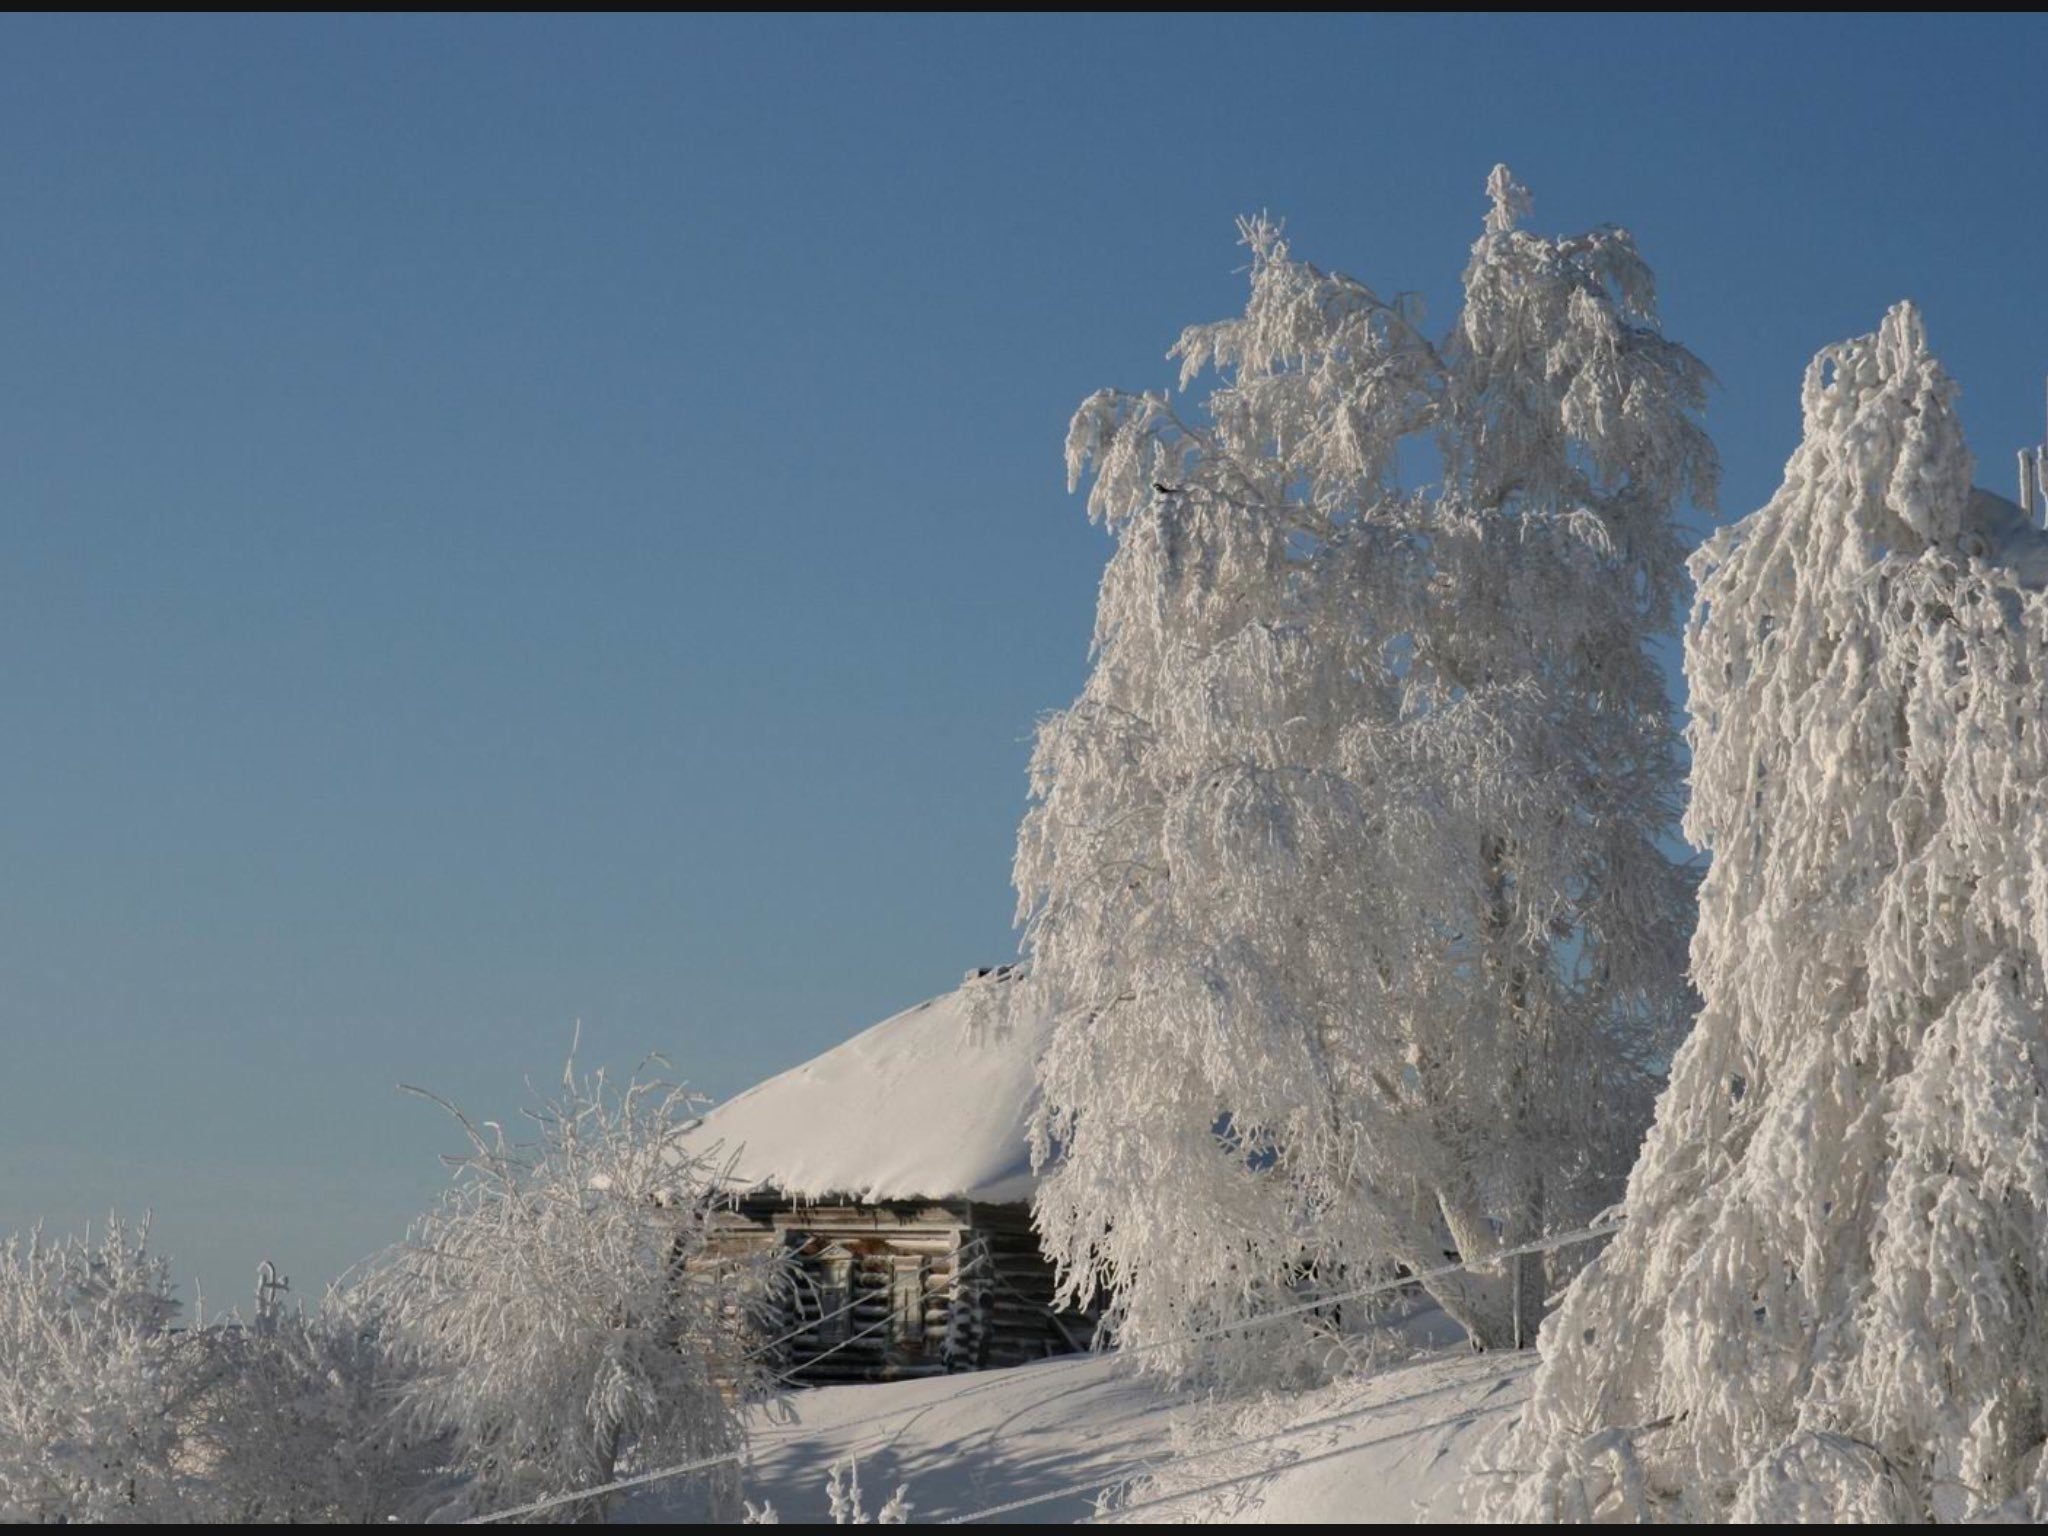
pixel 1420 1277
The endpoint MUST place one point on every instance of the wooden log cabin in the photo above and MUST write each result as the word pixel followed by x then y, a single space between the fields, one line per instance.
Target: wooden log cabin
pixel 894 1171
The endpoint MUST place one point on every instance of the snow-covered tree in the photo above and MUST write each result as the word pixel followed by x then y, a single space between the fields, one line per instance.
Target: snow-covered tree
pixel 1827 1302
pixel 553 1321
pixel 292 1421
pixel 92 1380
pixel 109 1413
pixel 1342 878
pixel 559 1328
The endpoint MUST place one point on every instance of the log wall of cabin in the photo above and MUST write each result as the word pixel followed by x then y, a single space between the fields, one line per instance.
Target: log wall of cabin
pixel 983 1289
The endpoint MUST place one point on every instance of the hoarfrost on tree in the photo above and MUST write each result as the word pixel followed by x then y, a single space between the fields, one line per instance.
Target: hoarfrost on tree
pixel 1826 1303
pixel 92 1380
pixel 554 1320
pixel 1342 878
pixel 109 1413
pixel 558 1323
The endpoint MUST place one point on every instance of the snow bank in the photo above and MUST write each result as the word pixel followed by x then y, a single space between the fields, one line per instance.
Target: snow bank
pixel 1086 1438
pixel 1050 1438
pixel 921 1106
pixel 1387 1447
pixel 1054 1433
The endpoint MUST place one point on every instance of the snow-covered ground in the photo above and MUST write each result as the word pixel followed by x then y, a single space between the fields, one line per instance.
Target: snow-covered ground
pixel 1047 1440
pixel 1390 1446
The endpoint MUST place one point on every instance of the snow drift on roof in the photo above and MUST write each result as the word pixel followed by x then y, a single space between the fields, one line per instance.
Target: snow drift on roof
pixel 918 1107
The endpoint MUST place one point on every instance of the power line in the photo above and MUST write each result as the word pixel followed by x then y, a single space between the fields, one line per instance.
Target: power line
pixel 1335 1454
pixel 1419 1277
pixel 1101 1480
pixel 855 1338
pixel 814 1323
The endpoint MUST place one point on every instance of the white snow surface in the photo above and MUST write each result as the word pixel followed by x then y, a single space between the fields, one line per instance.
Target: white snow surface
pixel 921 1106
pixel 1391 1445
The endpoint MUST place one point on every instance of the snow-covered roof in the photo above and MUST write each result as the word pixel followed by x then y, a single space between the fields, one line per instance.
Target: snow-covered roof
pixel 921 1106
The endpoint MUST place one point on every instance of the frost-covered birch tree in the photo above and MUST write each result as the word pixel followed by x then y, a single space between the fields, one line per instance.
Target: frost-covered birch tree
pixel 1342 878
pixel 1827 1303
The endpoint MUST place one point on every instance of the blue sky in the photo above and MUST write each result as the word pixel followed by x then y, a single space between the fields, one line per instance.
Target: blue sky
pixel 509 522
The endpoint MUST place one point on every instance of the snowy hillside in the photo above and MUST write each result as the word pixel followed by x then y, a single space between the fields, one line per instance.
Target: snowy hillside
pixel 919 1106
pixel 1048 1439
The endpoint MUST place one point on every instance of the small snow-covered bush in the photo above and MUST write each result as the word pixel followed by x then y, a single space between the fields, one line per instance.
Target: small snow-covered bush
pixel 842 1487
pixel 293 1422
pixel 559 1322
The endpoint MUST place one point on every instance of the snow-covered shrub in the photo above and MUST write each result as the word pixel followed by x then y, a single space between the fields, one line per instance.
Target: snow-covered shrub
pixel 1343 877
pixel 109 1412
pixel 293 1422
pixel 842 1487
pixel 93 1380
pixel 558 1328
pixel 1827 1302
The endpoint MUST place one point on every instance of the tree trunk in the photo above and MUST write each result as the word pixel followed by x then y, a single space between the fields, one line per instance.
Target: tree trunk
pixel 1481 1300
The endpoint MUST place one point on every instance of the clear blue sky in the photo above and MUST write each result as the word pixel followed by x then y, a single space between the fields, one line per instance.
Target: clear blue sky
pixel 525 520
